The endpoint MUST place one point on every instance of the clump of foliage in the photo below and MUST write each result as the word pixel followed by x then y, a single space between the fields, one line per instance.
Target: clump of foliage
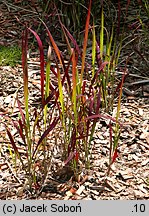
pixel 10 55
pixel 82 94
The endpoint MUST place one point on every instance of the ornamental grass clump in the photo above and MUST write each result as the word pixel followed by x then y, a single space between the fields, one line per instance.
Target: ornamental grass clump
pixel 80 98
pixel 83 91
pixel 29 130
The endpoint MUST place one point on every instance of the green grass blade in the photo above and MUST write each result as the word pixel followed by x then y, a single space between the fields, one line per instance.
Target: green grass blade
pixel 74 84
pixel 93 50
pixel 102 34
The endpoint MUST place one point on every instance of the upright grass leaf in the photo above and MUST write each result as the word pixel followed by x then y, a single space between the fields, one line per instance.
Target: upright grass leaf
pixel 108 53
pixel 93 50
pixel 117 126
pixel 41 63
pixel 65 35
pixel 55 47
pixel 66 74
pixel 98 58
pixel 73 40
pixel 25 78
pixel 110 152
pixel 48 66
pixel 115 155
pixel 120 96
pixel 95 78
pixel 61 98
pixel 25 71
pixel 74 90
pixel 96 112
pixel 102 33
pixel 85 42
pixel 21 113
pixel 47 84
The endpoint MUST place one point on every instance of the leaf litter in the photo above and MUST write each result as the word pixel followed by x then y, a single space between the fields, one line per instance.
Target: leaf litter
pixel 129 177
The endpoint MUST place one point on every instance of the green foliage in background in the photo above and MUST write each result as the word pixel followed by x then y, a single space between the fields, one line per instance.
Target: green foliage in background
pixel 10 55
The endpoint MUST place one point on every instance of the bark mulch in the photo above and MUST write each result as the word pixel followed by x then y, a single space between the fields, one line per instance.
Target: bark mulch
pixel 129 176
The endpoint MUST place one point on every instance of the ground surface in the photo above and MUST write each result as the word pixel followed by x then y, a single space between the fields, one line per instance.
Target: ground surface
pixel 129 176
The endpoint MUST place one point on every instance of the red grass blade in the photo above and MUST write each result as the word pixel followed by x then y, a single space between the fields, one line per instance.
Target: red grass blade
pixel 20 129
pixel 70 157
pixel 99 70
pixel 98 102
pixel 115 155
pixel 98 57
pixel 56 49
pixel 85 41
pixel 21 112
pixel 12 141
pixel 94 116
pixel 41 63
pixel 51 126
pixel 73 41
pixel 110 151
pixel 66 74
